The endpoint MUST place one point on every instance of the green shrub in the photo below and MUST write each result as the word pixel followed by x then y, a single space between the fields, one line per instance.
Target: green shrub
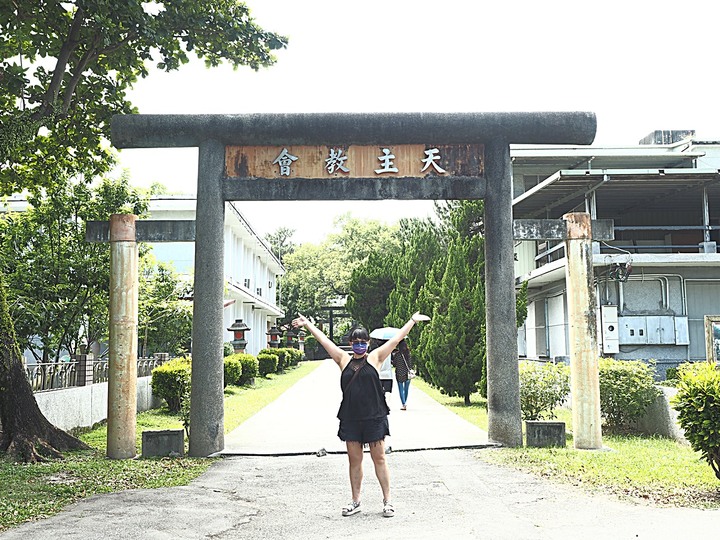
pixel 311 347
pixel 171 382
pixel 285 357
pixel 698 404
pixel 627 389
pixel 543 387
pixel 267 363
pixel 295 356
pixel 280 364
pixel 228 348
pixel 249 367
pixel 232 369
pixel 671 373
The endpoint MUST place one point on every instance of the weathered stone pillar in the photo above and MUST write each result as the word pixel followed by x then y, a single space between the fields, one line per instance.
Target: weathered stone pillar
pixel 582 322
pixel 504 418
pixel 206 411
pixel 122 374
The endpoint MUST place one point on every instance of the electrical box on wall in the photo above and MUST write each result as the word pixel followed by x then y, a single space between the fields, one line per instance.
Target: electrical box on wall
pixel 633 330
pixel 610 330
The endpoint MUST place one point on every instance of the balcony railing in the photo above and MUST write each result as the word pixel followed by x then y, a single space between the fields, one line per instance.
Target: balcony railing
pixel 629 240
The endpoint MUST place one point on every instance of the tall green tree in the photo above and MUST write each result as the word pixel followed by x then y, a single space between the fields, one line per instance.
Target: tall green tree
pixel 281 242
pixel 65 69
pixel 441 272
pixel 319 275
pixel 58 284
pixel 453 346
pixel 421 261
pixel 370 286
pixel 164 318
pixel 26 433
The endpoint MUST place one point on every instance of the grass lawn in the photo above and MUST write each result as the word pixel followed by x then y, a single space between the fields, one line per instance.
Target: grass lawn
pixel 29 492
pixel 640 468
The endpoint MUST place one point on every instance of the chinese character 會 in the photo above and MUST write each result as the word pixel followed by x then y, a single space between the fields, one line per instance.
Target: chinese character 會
pixel 387 163
pixel 284 160
pixel 336 161
pixel 433 155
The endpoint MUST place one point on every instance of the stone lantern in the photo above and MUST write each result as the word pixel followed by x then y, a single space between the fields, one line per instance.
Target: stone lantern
pixel 239 328
pixel 301 340
pixel 290 336
pixel 274 335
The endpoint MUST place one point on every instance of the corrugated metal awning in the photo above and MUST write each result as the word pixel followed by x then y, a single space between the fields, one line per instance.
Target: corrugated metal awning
pixel 620 191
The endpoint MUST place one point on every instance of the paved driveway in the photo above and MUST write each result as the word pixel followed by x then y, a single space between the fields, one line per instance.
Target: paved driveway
pixel 446 494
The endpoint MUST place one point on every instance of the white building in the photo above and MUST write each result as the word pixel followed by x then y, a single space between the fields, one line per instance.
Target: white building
pixel 251 269
pixel 659 278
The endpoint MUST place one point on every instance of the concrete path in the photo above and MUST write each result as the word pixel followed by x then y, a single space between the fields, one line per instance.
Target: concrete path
pixel 303 420
pixel 447 494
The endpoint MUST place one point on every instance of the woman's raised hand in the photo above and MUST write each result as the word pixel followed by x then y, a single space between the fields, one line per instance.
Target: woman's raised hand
pixel 301 320
pixel 417 317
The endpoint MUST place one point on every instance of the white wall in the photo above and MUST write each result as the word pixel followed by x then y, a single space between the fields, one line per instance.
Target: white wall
pixel 84 406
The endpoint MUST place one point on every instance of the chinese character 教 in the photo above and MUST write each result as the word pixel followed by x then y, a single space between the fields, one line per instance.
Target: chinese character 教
pixel 336 161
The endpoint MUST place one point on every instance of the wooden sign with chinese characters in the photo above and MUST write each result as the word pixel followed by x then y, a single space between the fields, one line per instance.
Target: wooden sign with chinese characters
pixel 400 161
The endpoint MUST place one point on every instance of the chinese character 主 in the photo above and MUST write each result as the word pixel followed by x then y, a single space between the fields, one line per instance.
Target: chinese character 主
pixel 336 161
pixel 387 163
pixel 284 160
pixel 433 155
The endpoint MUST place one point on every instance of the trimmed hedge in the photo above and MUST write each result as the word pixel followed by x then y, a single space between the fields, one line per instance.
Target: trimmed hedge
pixel 698 404
pixel 267 363
pixel 171 382
pixel 627 389
pixel 542 389
pixel 232 368
pixel 294 356
pixel 249 367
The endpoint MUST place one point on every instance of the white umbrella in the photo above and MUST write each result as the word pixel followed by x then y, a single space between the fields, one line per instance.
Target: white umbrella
pixel 388 332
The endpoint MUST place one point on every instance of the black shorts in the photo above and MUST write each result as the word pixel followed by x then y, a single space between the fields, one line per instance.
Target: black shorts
pixel 364 431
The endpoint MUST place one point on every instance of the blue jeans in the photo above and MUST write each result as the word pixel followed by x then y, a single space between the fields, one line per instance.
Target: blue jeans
pixel 403 388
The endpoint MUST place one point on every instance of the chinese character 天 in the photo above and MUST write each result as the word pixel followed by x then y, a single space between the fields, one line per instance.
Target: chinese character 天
pixel 386 161
pixel 336 161
pixel 432 156
pixel 284 160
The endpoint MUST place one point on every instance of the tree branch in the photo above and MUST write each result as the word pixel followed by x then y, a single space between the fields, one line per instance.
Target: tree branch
pixel 68 46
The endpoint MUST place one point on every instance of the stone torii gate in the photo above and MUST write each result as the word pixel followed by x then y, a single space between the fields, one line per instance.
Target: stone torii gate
pixel 339 156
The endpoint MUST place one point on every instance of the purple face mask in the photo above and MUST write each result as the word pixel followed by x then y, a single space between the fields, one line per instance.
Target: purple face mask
pixel 359 348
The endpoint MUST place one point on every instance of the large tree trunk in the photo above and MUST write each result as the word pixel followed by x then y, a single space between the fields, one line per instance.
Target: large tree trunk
pixel 26 434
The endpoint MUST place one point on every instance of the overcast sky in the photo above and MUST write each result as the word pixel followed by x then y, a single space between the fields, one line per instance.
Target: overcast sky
pixel 639 65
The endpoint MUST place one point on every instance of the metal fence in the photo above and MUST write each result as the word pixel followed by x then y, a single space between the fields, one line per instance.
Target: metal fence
pixel 52 375
pixel 57 375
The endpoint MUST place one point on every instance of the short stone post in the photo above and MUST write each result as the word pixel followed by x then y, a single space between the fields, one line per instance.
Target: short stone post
pixel 582 322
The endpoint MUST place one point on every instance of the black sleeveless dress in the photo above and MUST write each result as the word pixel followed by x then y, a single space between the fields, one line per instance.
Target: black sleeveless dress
pixel 364 399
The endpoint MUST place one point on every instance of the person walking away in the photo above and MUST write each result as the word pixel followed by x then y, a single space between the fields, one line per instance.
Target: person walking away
pixel 363 412
pixel 386 375
pixel 404 370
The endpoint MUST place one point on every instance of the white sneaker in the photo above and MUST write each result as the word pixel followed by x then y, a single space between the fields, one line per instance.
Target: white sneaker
pixel 388 509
